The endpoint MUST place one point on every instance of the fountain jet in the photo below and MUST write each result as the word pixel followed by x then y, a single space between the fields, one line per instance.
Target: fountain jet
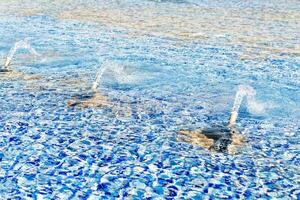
pixel 118 72
pixel 95 99
pixel 223 138
pixel 8 73
pixel 243 91
pixel 22 44
pixel 98 78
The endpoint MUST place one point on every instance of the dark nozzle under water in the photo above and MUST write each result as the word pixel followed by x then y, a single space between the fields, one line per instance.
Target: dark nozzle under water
pixel 216 138
pixel 5 70
pixel 222 137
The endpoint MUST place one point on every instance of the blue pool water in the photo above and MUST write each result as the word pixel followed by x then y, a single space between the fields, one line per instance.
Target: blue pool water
pixel 176 76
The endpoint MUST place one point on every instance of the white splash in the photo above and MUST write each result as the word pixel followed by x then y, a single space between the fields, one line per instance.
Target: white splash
pixel 123 74
pixel 253 105
pixel 22 44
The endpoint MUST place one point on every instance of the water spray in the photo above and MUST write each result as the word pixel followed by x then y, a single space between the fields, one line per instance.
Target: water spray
pixel 98 78
pixel 22 44
pixel 243 90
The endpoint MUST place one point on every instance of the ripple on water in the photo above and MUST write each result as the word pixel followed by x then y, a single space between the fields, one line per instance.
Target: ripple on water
pixel 178 78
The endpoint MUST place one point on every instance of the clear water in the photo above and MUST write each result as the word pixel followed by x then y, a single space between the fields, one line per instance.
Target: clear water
pixel 179 75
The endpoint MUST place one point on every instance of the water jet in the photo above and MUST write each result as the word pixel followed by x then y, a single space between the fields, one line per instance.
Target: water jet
pixel 6 72
pixel 22 44
pixel 221 138
pixel 94 98
pixel 243 91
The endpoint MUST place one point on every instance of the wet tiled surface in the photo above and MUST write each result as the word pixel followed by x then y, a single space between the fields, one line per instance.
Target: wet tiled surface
pixel 183 61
